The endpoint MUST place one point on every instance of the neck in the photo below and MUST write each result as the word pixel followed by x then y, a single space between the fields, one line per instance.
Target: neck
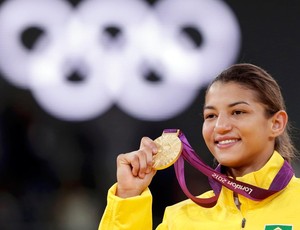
pixel 243 170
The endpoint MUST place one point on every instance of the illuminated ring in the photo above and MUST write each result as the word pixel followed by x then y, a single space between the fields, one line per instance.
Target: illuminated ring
pixel 220 38
pixel 83 99
pixel 14 58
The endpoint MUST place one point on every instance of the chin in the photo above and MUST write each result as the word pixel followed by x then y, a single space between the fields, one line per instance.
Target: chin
pixel 228 162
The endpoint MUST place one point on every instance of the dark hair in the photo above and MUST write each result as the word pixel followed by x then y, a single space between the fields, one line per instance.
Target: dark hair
pixel 268 93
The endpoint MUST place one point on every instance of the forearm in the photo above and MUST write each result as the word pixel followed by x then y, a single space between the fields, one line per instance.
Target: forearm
pixel 129 213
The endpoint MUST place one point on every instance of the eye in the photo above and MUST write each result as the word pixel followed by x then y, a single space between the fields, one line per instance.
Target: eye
pixel 238 112
pixel 209 116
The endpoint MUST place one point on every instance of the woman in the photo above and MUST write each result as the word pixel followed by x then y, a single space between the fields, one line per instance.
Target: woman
pixel 246 129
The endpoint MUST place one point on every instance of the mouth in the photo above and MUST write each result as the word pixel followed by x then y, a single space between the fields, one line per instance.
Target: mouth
pixel 226 142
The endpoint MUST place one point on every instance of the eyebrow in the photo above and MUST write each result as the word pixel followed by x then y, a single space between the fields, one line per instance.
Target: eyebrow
pixel 230 105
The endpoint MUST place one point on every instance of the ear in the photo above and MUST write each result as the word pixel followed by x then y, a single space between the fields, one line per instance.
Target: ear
pixel 279 121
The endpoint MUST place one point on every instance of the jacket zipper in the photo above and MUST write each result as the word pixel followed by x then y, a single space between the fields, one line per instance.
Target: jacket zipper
pixel 243 222
pixel 238 205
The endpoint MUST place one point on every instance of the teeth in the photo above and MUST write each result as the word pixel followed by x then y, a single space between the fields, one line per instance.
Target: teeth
pixel 227 141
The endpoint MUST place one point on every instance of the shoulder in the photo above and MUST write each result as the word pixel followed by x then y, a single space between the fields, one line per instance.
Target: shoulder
pixel 295 182
pixel 293 187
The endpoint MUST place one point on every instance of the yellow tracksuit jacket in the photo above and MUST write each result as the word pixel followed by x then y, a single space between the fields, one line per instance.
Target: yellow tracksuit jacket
pixel 280 211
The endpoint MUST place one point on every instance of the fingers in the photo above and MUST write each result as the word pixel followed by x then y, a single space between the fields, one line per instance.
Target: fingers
pixel 145 154
pixel 147 142
pixel 140 161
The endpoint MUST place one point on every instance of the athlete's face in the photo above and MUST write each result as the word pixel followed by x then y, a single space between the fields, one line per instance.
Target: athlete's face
pixel 236 129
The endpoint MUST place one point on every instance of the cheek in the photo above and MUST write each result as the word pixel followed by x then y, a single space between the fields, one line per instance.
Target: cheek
pixel 255 131
pixel 207 131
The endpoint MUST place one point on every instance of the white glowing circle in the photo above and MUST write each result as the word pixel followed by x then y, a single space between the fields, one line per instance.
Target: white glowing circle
pixel 15 17
pixel 65 99
pixel 221 38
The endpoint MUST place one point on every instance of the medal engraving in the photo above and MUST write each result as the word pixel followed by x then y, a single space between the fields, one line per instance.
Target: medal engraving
pixel 169 149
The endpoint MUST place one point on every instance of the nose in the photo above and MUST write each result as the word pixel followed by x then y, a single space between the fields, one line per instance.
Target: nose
pixel 223 124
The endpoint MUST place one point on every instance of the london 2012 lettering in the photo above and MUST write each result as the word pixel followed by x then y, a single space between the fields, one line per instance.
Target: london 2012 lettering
pixel 224 180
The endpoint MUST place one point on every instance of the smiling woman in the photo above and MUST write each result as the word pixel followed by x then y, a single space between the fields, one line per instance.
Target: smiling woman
pixel 246 129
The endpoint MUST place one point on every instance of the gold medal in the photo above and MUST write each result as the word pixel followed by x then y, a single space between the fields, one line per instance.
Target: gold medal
pixel 169 149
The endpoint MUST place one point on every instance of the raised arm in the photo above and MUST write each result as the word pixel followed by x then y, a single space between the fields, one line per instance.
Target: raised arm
pixel 129 203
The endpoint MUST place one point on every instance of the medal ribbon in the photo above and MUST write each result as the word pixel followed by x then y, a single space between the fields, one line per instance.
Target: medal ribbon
pixel 217 179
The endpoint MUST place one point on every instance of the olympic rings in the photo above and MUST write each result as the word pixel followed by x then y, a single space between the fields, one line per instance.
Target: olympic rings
pixel 149 61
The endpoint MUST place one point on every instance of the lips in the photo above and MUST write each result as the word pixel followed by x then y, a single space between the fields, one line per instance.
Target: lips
pixel 227 141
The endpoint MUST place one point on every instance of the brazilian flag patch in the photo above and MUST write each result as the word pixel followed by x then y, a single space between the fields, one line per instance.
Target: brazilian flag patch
pixel 278 227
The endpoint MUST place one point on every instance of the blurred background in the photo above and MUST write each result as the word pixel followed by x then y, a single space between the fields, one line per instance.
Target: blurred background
pixel 83 81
